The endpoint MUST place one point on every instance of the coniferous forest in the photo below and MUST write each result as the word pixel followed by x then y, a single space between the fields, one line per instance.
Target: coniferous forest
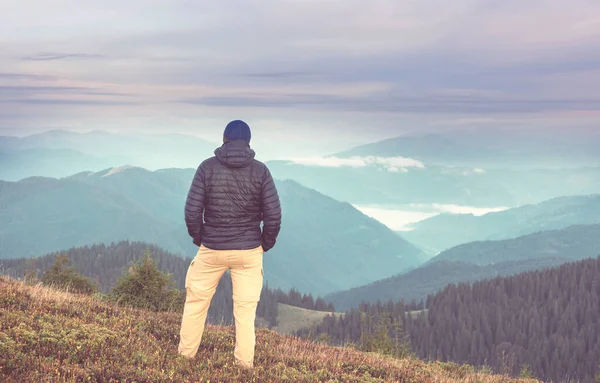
pixel 548 320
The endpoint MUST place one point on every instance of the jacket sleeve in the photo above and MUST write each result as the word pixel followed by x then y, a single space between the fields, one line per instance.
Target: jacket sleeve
pixel 271 211
pixel 194 207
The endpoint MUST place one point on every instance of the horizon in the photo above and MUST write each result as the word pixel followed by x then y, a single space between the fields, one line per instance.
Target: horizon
pixel 307 150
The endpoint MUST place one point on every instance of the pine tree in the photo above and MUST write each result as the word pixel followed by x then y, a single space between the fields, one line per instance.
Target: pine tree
pixel 525 372
pixel 144 285
pixel 402 347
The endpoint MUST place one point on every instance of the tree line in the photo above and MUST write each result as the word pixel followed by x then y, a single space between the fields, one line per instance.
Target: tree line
pixel 542 323
pixel 105 268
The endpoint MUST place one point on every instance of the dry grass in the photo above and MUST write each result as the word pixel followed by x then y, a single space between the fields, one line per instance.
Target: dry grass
pixel 52 336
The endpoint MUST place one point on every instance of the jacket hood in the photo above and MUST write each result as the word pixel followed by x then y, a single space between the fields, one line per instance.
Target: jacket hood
pixel 235 154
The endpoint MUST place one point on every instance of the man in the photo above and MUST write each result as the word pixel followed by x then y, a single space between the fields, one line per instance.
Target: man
pixel 229 197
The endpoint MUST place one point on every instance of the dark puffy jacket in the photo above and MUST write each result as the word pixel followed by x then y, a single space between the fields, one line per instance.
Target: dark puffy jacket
pixel 229 197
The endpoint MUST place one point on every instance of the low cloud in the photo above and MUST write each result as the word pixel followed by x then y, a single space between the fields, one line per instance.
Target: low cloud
pixel 394 169
pixel 391 164
pixel 476 171
pixel 458 209
pixel 401 218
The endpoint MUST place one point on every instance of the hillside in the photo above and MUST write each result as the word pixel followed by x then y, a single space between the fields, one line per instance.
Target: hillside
pixel 46 334
pixel 65 213
pixel 418 284
pixel 321 247
pixel 334 241
pixel 572 243
pixel 448 230
pixel 291 319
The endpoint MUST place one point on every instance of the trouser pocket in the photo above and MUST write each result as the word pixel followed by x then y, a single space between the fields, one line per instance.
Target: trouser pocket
pixel 252 258
pixel 247 280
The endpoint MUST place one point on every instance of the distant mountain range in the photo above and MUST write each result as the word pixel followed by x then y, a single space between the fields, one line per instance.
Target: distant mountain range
pixel 479 260
pixel 491 148
pixel 60 153
pixel 376 177
pixel 324 246
pixel 19 164
pixel 448 230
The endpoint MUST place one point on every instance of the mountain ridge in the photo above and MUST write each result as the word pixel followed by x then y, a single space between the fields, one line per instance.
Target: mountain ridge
pixel 445 231
pixel 313 255
pixel 478 261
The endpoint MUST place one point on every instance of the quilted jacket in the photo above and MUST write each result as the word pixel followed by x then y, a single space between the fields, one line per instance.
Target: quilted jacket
pixel 231 194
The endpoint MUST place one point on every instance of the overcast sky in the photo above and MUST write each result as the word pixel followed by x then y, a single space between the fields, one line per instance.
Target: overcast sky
pixel 315 73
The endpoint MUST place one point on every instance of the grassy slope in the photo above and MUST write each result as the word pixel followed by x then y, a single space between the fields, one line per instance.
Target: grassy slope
pixel 291 319
pixel 48 335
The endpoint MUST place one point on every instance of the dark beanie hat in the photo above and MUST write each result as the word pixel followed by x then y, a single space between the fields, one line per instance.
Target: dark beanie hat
pixel 237 130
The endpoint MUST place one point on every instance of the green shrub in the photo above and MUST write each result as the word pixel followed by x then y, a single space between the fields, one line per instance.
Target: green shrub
pixel 65 277
pixel 145 286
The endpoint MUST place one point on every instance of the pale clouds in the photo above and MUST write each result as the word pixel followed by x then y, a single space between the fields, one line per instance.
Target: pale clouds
pixel 395 219
pixel 400 218
pixel 390 164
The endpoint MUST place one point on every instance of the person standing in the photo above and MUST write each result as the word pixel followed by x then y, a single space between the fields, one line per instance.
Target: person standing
pixel 230 195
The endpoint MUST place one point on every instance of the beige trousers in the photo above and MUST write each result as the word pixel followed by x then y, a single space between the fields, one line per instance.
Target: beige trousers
pixel 203 275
